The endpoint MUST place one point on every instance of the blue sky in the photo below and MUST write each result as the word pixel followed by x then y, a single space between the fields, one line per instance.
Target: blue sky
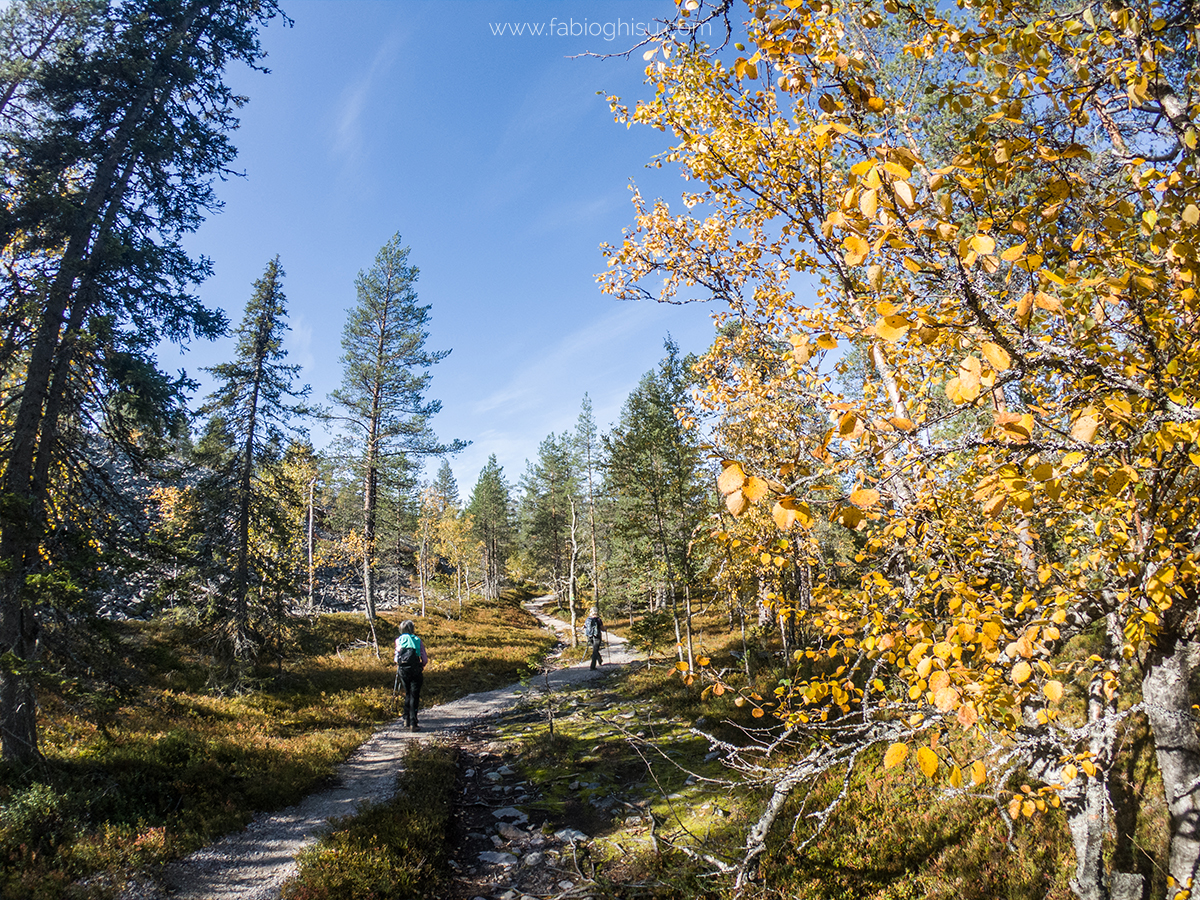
pixel 500 166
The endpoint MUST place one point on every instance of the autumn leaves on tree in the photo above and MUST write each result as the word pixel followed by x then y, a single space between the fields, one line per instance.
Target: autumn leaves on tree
pixel 996 205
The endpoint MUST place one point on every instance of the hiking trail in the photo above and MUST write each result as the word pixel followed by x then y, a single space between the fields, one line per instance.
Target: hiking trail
pixel 254 863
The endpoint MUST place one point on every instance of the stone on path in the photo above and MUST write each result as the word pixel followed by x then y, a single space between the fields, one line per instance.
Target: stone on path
pixel 510 832
pixel 509 812
pixel 496 858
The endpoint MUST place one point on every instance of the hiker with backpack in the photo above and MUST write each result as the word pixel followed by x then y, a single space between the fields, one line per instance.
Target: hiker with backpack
pixel 593 630
pixel 411 659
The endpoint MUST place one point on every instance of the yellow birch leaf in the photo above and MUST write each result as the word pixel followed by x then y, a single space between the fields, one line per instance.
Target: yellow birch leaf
pixel 978 772
pixel 756 712
pixel 939 680
pixel 1021 672
pixel 736 503
pixel 956 777
pixel 847 424
pixel 865 497
pixel 902 424
pixel 875 276
pixel 827 342
pixel 1068 773
pixel 895 756
pixel 1053 691
pixel 1012 254
pixel 996 355
pixel 732 477
pixel 892 328
pixel 969 371
pixel 784 516
pixel 953 391
pixel 1084 428
pixel 982 244
pixel 968 715
pixel 856 249
pixel 946 699
pixel 851 517
pixel 928 761
pixel 868 202
pixel 904 193
pixel 802 350
pixel 755 489
pixel 1025 310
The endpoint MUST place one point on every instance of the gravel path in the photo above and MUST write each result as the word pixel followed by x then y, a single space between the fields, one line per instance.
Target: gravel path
pixel 254 863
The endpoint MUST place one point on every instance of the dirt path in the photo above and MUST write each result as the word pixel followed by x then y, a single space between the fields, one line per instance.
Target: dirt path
pixel 254 863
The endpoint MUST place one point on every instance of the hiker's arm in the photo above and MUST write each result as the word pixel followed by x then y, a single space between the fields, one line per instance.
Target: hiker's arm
pixel 424 655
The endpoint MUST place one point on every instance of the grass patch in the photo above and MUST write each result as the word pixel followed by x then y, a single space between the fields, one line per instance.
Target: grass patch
pixel 396 849
pixel 167 759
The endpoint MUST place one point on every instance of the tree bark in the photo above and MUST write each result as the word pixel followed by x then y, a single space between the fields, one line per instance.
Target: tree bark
pixel 1166 691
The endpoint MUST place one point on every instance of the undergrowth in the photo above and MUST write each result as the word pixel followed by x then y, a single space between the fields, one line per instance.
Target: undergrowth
pixel 606 759
pixel 169 758
pixel 395 850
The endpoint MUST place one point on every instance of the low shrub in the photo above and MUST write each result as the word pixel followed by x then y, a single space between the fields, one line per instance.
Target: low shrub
pixel 388 850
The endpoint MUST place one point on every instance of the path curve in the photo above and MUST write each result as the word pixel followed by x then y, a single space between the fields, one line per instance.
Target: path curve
pixel 253 864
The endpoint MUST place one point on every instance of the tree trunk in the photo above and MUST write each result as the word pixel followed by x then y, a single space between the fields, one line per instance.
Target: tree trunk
pixel 1166 691
pixel 571 582
pixel 370 483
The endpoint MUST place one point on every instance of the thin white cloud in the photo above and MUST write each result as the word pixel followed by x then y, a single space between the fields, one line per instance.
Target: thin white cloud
pixel 348 130
pixel 299 345
pixel 527 388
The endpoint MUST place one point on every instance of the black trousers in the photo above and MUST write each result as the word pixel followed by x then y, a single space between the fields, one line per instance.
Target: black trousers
pixel 411 681
pixel 596 660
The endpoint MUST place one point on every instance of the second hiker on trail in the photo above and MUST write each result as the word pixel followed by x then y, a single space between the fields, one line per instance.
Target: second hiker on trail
pixel 411 659
pixel 593 630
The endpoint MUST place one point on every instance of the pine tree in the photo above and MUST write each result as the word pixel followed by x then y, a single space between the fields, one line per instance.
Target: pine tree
pixel 491 509
pixel 255 399
pixel 109 152
pixel 384 381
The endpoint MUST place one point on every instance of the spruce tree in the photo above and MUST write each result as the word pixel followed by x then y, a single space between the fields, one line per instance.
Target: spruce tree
pixel 385 376
pixel 587 451
pixel 548 491
pixel 656 481
pixel 109 151
pixel 255 399
pixel 446 487
pixel 491 509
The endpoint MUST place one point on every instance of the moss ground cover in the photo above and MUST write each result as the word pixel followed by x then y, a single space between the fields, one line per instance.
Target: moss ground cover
pixel 167 760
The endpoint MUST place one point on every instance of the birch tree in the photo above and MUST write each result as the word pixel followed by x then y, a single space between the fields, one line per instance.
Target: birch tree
pixel 995 206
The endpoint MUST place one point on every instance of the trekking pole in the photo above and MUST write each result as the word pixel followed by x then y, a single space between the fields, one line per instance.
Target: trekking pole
pixel 396 689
